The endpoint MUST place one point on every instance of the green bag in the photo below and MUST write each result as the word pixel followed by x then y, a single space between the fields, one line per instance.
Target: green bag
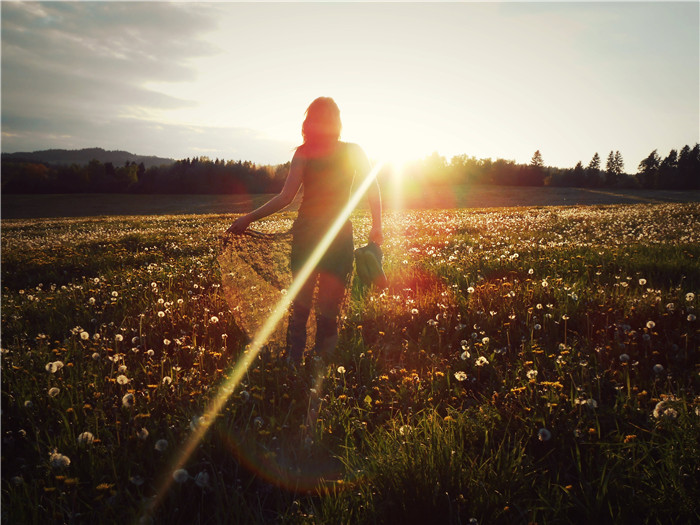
pixel 368 263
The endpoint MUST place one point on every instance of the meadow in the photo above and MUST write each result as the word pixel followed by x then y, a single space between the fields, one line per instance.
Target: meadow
pixel 524 365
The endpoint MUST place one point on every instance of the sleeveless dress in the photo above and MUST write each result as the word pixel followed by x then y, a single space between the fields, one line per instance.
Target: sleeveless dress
pixel 328 184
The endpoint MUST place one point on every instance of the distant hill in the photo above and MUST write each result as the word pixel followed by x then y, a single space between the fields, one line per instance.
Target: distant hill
pixel 84 156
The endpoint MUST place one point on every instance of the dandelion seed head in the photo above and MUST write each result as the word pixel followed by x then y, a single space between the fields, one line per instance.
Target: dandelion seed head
pixel 624 358
pixel 202 479
pixel 142 434
pixel 161 445
pixel 658 368
pixel 181 475
pixel 86 438
pixel 128 400
pixel 544 435
pixel 58 460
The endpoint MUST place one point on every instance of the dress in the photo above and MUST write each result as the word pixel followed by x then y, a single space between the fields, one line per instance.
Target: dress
pixel 327 183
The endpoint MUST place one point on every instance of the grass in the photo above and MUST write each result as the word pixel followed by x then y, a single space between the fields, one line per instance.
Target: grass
pixel 529 365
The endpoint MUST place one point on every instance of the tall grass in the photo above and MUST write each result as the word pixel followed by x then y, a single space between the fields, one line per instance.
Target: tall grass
pixel 524 365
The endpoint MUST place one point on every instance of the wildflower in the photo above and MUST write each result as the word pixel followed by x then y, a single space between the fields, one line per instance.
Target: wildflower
pixel 642 282
pixel 485 340
pixel 95 356
pixel 86 438
pixel 202 479
pixel 530 271
pixel 405 430
pixel 245 396
pixel 460 376
pixel 181 475
pixel 119 338
pixel 537 326
pixel 122 379
pixel 664 409
pixel 481 361
pixel 670 307
pixel 213 320
pixel 58 460
pixel 531 375
pixel 166 342
pixel 591 403
pixel 128 400
pixel 122 369
pixel 115 294
pixel 691 317
pixel 161 313
pixel 624 358
pixel 470 289
pixel 690 296
pixel 54 391
pixel 544 435
pixel 167 380
pixel 651 325
pixel 414 311
pixel 150 353
pixel 54 367
pixel 465 355
pixel 658 368
pixel 28 403
pixel 544 283
pixel 142 434
pixel 161 445
pixel 84 336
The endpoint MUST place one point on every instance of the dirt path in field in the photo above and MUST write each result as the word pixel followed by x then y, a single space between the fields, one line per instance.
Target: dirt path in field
pixel 91 205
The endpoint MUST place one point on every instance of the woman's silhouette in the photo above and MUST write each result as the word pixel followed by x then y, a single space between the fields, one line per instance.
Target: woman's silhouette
pixel 326 167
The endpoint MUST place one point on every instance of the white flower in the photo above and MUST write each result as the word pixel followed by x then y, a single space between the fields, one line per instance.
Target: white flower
pixel 119 338
pixel 460 376
pixel 414 311
pixel 341 369
pixel 537 326
pixel 95 356
pixel 181 475
pixel 54 366
pixel 470 289
pixel 690 296
pixel 544 435
pixel 128 400
pixel 166 342
pixel 465 355
pixel 161 445
pixel 664 409
pixel 54 391
pixel 213 320
pixel 405 430
pixel 58 460
pixel 161 313
pixel 481 361
pixel 651 325
pixel 642 282
pixel 670 307
pixel 167 380
pixel 531 374
pixel 86 438
pixel 691 317
pixel 84 336
pixel 142 434
pixel 122 379
pixel 91 301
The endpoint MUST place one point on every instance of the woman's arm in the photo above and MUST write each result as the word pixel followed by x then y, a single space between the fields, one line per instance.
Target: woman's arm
pixel 374 197
pixel 276 203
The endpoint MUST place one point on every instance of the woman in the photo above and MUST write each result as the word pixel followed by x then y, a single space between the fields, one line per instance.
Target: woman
pixel 326 167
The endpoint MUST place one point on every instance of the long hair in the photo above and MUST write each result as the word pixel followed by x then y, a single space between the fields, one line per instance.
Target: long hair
pixel 322 123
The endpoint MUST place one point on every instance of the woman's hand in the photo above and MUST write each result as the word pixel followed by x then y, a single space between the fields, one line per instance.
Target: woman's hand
pixel 376 236
pixel 239 225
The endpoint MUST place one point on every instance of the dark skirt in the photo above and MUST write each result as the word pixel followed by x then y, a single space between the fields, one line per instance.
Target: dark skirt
pixel 338 259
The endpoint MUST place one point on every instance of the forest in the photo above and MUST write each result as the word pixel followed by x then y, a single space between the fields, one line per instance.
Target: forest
pixel 679 170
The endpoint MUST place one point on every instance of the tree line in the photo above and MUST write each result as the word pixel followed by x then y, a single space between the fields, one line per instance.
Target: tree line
pixel 678 170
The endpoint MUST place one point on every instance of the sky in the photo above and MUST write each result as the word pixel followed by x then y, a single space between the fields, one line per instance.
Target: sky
pixel 233 80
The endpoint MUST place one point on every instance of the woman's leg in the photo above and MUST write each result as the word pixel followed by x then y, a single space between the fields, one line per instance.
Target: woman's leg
pixel 331 292
pixel 298 316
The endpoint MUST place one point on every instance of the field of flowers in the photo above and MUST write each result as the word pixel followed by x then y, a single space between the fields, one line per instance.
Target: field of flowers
pixel 525 365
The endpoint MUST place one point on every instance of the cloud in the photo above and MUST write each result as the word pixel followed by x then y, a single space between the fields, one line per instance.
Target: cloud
pixel 72 68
